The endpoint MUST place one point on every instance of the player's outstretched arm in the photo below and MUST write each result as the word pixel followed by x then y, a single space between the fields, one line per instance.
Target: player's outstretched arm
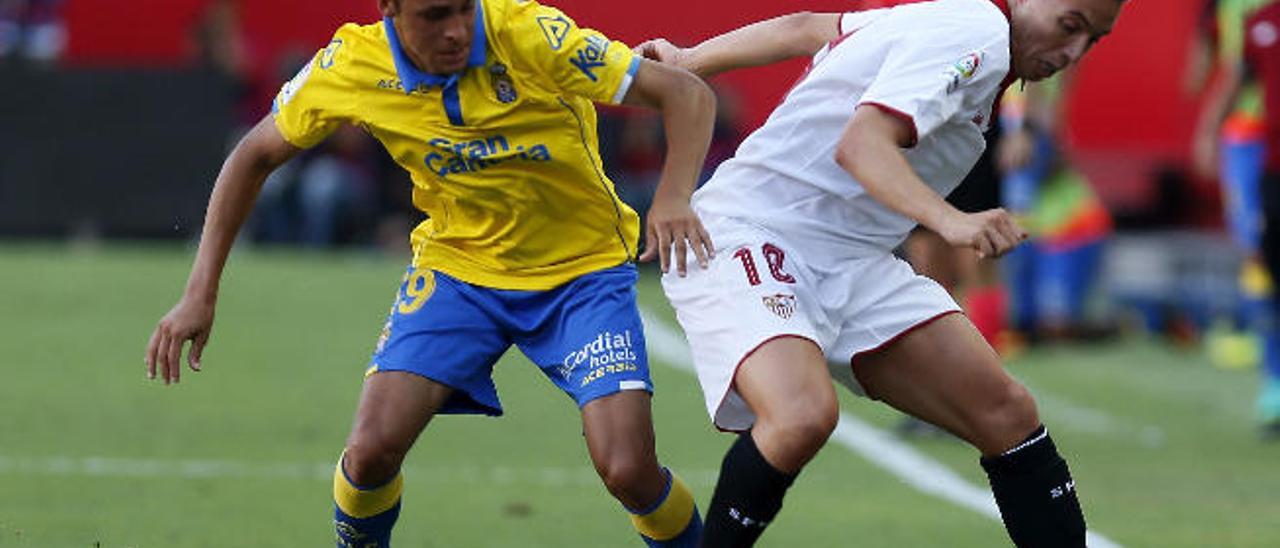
pixel 688 113
pixel 1222 96
pixel 871 151
pixel 261 151
pixel 762 43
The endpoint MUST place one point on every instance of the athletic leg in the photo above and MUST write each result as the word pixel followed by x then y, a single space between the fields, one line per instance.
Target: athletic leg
pixel 786 384
pixel 944 373
pixel 619 432
pixel 394 408
pixel 1269 398
pixel 436 355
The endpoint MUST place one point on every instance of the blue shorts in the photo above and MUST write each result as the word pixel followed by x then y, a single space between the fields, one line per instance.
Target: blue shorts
pixel 585 335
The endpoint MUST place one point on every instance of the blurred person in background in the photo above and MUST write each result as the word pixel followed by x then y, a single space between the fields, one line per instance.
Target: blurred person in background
pixel 1051 275
pixel 32 30
pixel 1230 149
pixel 526 243
pixel 972 282
pixel 888 119
pixel 1244 108
pixel 219 41
pixel 10 26
pixel 337 190
pixel 1235 136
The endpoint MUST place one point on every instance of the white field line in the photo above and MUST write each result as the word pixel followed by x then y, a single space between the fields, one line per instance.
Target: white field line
pixel 1080 418
pixel 196 469
pixel 881 448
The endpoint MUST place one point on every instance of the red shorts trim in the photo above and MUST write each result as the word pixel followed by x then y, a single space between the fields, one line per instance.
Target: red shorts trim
pixel 733 378
pixel 894 339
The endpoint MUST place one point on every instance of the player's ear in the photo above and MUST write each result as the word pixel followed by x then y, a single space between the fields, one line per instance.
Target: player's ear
pixel 389 8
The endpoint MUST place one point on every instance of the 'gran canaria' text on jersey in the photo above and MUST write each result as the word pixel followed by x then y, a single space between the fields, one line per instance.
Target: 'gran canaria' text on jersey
pixel 452 158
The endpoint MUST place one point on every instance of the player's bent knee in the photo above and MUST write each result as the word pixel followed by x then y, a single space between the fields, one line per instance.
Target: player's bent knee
pixel 625 475
pixel 1007 420
pixel 801 429
pixel 371 464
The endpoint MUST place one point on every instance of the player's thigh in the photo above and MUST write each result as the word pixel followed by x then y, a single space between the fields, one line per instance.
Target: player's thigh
pixel 394 408
pixel 619 429
pixel 944 372
pixel 755 290
pixel 445 330
pixel 786 383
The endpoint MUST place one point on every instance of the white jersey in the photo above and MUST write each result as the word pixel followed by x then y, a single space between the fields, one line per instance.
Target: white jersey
pixel 939 64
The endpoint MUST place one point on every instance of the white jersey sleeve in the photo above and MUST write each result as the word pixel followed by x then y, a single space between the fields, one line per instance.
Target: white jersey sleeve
pixel 854 21
pixel 931 73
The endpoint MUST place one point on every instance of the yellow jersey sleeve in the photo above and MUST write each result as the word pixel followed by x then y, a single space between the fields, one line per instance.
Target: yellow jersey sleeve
pixel 319 98
pixel 574 60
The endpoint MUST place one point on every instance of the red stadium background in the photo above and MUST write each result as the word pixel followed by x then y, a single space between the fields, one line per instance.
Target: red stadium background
pixel 1136 116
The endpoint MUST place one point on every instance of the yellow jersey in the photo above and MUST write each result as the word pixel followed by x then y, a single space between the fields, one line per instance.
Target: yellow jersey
pixel 504 155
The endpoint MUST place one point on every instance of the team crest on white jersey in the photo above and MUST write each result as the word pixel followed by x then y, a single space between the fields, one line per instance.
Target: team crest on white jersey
pixel 962 70
pixel 781 304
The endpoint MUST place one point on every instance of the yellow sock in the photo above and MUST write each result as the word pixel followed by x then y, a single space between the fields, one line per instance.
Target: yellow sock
pixel 673 516
pixel 364 517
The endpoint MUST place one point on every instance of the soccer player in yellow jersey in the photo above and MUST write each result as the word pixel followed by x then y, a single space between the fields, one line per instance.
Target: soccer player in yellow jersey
pixel 488 104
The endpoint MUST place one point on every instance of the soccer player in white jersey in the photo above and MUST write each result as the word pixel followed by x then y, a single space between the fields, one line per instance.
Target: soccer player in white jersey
pixel 887 120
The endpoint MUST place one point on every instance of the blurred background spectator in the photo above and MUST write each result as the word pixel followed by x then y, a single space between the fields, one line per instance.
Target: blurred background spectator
pixel 31 30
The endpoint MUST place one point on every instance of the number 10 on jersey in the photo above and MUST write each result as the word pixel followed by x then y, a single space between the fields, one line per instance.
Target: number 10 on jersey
pixel 773 256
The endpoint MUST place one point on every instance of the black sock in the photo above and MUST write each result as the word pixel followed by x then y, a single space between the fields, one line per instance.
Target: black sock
pixel 748 495
pixel 1036 495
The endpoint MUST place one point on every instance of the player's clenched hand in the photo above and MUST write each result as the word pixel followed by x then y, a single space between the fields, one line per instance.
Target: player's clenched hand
pixel 992 233
pixel 190 320
pixel 673 224
pixel 662 51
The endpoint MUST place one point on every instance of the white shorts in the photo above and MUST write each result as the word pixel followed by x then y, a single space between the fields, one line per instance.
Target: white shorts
pixel 760 287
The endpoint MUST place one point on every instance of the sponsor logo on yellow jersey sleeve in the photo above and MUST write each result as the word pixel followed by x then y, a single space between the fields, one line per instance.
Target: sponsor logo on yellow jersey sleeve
pixel 329 56
pixel 555 29
pixel 591 56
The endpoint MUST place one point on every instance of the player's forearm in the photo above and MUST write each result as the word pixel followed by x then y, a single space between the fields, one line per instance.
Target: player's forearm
pixel 878 164
pixel 688 116
pixel 234 195
pixel 229 205
pixel 766 42
pixel 688 109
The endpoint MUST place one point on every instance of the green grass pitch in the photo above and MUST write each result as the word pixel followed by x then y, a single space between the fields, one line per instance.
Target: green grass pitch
pixel 93 455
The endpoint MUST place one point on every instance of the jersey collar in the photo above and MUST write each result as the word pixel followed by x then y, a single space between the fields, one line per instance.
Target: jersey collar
pixel 1004 7
pixel 412 78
